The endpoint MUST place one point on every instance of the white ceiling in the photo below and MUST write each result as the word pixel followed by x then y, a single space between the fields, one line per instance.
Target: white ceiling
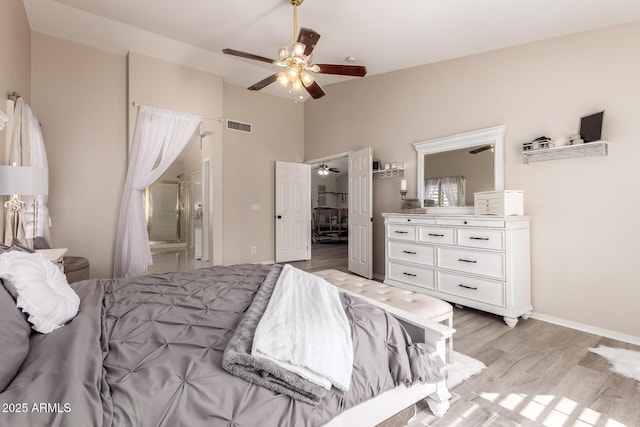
pixel 384 35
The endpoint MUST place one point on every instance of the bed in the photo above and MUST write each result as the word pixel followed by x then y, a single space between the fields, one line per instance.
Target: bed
pixel 147 351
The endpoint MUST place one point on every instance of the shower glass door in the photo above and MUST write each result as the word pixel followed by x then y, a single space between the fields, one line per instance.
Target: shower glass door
pixel 165 204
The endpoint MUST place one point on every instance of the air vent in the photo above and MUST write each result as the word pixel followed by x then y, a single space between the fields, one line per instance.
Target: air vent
pixel 239 126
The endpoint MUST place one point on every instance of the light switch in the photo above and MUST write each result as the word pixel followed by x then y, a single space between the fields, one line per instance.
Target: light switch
pixel 255 207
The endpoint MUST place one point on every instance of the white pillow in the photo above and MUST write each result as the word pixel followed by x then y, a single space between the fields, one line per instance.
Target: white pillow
pixel 41 289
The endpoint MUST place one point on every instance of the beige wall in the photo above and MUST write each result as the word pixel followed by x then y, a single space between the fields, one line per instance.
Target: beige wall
pixel 79 96
pixel 164 84
pixel 84 100
pixel 249 169
pixel 15 66
pixel 584 210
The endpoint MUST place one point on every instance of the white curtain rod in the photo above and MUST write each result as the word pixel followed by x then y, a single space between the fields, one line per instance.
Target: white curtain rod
pixel 218 119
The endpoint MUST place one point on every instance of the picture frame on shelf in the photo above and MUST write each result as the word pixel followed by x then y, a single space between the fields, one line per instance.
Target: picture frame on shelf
pixel 591 127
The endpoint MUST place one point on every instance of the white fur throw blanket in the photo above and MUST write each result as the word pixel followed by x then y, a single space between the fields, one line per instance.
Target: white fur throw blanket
pixel 305 330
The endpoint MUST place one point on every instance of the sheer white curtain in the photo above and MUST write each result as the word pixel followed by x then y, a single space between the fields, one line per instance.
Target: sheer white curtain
pixel 159 137
pixel 431 192
pixel 445 191
pixel 453 189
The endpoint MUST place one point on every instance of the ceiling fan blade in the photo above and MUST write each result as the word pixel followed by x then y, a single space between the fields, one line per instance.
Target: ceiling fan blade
pixel 309 38
pixel 334 170
pixel 343 70
pixel 480 149
pixel 264 82
pixel 248 56
pixel 315 90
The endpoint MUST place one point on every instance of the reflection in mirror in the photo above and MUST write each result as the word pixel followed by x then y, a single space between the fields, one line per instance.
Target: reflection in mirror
pixel 451 177
pixel 452 168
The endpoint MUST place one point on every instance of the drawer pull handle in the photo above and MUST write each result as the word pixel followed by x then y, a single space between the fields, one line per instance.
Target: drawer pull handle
pixel 436 235
pixel 401 232
pixel 473 288
pixel 409 252
pixel 473 261
pixel 410 274
pixel 478 238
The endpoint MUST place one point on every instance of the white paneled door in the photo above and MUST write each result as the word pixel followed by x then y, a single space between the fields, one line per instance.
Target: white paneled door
pixel 360 213
pixel 293 212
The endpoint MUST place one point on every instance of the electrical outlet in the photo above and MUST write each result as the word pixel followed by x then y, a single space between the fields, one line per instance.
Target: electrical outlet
pixel 253 249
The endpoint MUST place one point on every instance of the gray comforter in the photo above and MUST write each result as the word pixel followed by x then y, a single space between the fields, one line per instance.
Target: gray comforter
pixel 148 351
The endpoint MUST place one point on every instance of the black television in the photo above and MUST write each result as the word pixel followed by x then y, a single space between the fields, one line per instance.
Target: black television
pixel 591 127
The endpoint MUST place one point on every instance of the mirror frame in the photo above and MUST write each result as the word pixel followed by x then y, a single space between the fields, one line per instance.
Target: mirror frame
pixel 493 135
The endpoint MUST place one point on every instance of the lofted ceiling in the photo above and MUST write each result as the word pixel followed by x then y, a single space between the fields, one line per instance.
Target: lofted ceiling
pixel 383 35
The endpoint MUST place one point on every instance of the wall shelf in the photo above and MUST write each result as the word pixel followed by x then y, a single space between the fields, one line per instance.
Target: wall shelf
pixel 596 148
pixel 389 173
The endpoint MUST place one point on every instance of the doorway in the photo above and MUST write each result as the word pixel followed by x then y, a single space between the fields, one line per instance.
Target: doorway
pixel 325 222
pixel 329 215
pixel 177 212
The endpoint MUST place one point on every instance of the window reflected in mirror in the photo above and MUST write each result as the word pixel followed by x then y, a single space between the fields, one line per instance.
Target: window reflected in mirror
pixel 451 177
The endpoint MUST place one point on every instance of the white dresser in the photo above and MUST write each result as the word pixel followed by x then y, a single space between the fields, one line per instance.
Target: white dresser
pixel 476 261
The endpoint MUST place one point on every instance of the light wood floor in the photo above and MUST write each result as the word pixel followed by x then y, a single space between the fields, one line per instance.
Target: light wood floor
pixel 324 256
pixel 537 373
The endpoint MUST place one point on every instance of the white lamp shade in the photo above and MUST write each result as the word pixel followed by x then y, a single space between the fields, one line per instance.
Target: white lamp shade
pixel 23 180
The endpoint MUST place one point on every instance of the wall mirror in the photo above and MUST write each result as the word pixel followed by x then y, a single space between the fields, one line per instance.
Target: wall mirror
pixel 452 168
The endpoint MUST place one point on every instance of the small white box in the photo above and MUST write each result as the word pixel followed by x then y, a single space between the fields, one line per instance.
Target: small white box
pixel 503 203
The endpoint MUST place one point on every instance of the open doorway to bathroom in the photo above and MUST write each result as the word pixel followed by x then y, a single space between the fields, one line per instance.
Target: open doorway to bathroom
pixel 175 212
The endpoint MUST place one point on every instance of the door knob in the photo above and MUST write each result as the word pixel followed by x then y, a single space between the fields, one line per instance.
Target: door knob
pixel 279 217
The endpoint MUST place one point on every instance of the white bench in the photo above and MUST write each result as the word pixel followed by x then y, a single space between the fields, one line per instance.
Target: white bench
pixel 421 305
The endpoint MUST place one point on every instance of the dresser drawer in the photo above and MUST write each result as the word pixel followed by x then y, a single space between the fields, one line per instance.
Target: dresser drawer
pixel 489 210
pixel 490 264
pixel 481 238
pixel 445 236
pixel 485 291
pixel 422 277
pixel 420 254
pixel 402 232
pixel 472 222
pixel 415 219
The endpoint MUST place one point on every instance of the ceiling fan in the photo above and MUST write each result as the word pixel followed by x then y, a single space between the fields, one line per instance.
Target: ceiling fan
pixel 324 169
pixel 481 149
pixel 296 59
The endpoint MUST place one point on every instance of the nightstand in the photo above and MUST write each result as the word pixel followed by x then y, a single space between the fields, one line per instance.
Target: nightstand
pixel 54 255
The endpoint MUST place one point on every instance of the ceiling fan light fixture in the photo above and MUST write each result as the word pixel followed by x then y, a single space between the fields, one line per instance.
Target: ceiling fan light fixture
pixel 296 85
pixel 307 79
pixel 284 52
pixel 294 51
pixel 298 49
pixel 283 79
pixel 292 73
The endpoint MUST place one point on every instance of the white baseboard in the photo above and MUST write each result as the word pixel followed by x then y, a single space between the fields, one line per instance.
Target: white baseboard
pixel 587 328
